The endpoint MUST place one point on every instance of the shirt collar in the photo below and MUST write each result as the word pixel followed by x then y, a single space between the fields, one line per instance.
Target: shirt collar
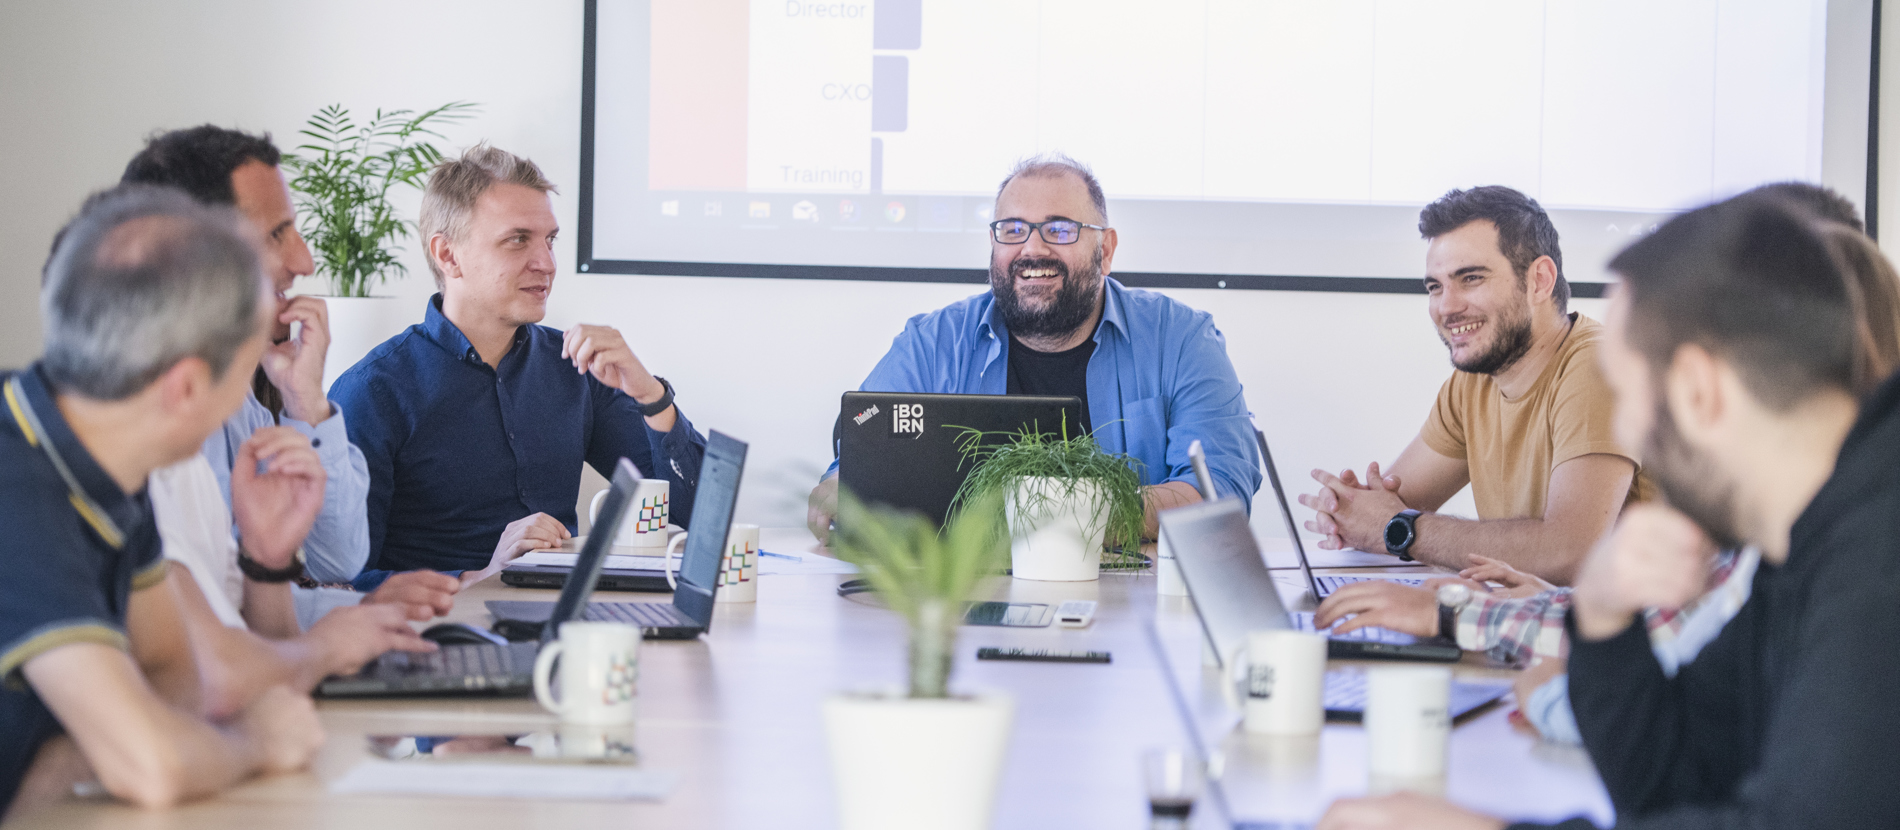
pixel 37 415
pixel 443 332
pixel 1112 313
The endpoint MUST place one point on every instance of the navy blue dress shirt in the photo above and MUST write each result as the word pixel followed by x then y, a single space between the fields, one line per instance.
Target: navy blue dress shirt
pixel 457 450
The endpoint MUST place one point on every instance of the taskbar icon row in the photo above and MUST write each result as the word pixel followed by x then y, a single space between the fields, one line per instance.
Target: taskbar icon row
pixel 945 213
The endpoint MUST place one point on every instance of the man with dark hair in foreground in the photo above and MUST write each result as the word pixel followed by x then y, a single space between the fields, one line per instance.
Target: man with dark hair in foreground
pixel 1731 350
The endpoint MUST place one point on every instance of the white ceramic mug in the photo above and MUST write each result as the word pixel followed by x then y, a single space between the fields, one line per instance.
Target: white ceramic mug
pixel 1408 720
pixel 644 526
pixel 738 566
pixel 1282 682
pixel 600 667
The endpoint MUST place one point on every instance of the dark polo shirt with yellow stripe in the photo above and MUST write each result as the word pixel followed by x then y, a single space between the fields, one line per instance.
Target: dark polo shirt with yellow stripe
pixel 73 548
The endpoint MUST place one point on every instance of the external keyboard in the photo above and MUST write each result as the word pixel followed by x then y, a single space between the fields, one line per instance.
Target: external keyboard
pixel 643 614
pixel 475 667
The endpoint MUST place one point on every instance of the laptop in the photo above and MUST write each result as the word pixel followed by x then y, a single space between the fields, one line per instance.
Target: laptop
pixel 690 613
pixel 1317 588
pixel 490 668
pixel 1233 591
pixel 900 448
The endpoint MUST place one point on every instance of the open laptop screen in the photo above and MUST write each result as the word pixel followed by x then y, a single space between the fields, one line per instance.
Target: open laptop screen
pixel 713 503
pixel 580 583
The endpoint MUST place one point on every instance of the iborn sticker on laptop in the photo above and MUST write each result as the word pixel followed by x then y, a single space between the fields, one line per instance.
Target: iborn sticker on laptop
pixel 907 417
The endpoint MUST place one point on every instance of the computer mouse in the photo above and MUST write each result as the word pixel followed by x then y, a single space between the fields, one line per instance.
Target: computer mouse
pixel 457 634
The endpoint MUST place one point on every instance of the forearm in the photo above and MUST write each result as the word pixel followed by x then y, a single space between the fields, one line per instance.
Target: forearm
pixel 1164 496
pixel 270 610
pixel 1534 546
pixel 237 666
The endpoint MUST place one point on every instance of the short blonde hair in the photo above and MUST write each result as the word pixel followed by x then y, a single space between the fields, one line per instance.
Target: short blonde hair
pixel 455 184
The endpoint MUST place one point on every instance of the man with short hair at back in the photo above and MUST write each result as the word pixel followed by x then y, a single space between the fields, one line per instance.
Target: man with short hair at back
pixel 220 166
pixel 1730 344
pixel 1152 373
pixel 476 422
pixel 1524 419
pixel 155 315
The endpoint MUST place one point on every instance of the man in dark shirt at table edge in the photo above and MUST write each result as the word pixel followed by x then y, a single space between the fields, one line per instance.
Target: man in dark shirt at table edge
pixel 475 422
pixel 1731 355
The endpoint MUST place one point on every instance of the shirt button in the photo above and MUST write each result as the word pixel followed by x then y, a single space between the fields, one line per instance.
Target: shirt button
pixel 316 442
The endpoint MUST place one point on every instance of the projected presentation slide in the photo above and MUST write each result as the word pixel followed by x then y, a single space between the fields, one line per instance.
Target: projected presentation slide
pixel 1240 137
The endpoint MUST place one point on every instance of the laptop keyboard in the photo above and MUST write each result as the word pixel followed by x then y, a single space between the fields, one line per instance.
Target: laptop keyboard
pixel 1329 584
pixel 643 614
pixel 1370 634
pixel 1346 692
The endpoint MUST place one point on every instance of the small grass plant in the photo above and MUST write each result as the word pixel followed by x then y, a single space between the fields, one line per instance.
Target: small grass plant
pixel 1003 459
pixel 924 575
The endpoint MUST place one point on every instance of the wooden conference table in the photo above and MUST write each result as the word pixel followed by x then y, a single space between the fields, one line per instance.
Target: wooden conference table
pixel 736 715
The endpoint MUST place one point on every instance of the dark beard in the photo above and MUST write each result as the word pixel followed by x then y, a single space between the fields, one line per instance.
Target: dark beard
pixel 1512 343
pixel 1688 481
pixel 1074 302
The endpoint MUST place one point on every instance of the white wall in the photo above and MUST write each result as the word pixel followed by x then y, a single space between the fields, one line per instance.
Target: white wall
pixel 1336 379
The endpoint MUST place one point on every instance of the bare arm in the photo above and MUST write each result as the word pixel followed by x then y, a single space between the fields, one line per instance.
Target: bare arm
pixel 1164 496
pixel 150 753
pixel 161 647
pixel 270 610
pixel 1585 496
pixel 1428 479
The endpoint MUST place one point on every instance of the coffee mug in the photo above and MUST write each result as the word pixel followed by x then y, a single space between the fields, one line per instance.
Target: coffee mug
pixel 600 665
pixel 1408 720
pixel 738 578
pixel 644 526
pixel 1281 684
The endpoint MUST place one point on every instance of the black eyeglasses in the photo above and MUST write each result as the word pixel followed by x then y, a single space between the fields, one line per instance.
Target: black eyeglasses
pixel 1054 231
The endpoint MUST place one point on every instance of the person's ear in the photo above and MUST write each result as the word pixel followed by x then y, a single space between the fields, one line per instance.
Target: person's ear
pixel 184 386
pixel 1542 278
pixel 1108 251
pixel 1699 392
pixel 444 257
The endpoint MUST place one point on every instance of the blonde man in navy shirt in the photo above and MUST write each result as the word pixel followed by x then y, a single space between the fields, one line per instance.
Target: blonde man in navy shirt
pixel 475 422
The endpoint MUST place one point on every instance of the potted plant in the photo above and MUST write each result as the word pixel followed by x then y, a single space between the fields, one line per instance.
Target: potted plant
pixel 1062 497
pixel 925 758
pixel 342 180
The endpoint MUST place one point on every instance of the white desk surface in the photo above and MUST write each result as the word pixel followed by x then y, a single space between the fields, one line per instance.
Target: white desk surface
pixel 736 714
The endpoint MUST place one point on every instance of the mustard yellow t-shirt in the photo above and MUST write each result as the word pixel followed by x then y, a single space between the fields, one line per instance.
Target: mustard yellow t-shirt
pixel 1512 445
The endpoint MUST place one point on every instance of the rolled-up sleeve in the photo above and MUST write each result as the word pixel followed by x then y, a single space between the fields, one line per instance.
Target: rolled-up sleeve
pixel 338 545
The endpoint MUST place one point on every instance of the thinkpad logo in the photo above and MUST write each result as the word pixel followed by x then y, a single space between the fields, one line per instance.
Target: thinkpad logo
pixel 865 415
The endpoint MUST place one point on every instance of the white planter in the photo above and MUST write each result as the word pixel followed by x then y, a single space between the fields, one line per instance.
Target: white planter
pixel 917 763
pixel 1054 540
pixel 359 324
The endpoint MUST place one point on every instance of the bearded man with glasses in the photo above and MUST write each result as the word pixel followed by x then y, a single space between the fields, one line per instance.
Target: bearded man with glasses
pixel 1152 374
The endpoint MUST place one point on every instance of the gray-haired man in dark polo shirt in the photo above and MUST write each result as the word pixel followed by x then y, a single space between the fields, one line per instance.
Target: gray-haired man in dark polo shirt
pixel 155 312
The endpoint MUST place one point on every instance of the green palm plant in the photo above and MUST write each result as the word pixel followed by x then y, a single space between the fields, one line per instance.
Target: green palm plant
pixel 925 575
pixel 342 180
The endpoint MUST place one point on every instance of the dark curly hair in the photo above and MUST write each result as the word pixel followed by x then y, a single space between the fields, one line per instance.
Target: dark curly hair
pixel 1524 229
pixel 199 161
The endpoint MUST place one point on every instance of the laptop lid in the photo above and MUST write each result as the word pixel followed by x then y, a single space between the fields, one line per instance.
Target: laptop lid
pixel 1286 515
pixel 900 448
pixel 580 582
pixel 713 502
pixel 1220 562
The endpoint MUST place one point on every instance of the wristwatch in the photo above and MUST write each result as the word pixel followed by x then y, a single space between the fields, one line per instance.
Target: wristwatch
pixel 1452 598
pixel 256 571
pixel 659 406
pixel 1400 532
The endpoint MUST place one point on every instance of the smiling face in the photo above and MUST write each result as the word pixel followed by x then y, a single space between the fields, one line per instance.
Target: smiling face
pixel 1479 303
pixel 503 267
pixel 1046 290
pixel 264 201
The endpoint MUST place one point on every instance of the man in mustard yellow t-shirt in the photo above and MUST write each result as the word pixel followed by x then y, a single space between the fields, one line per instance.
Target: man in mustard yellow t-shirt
pixel 1525 419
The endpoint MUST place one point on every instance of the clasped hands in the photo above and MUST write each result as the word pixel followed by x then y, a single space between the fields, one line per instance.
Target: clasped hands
pixel 1351 514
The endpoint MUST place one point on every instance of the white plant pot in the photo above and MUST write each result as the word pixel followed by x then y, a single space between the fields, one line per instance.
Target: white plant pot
pixel 359 324
pixel 1055 540
pixel 917 763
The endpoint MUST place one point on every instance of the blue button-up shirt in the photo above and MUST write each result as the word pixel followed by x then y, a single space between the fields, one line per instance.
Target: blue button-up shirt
pixel 338 544
pixel 1159 380
pixel 456 449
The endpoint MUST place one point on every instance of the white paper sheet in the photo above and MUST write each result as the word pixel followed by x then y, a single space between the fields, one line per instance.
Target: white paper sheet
pixel 550 781
pixel 808 564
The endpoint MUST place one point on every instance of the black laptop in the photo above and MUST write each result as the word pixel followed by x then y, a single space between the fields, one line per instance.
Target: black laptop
pixel 488 668
pixel 1319 587
pixel 690 612
pixel 900 448
pixel 1233 590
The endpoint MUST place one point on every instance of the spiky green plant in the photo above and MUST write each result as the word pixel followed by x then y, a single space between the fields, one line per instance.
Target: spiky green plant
pixel 923 574
pixel 342 182
pixel 1002 460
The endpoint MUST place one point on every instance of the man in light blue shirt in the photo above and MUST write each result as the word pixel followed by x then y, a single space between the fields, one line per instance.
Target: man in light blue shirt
pixel 1152 373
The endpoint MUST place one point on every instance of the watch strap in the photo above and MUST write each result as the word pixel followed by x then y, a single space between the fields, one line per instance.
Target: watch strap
pixel 258 572
pixel 666 399
pixel 1447 622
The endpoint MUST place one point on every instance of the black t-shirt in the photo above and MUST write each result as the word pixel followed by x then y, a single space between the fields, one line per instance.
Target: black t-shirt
pixel 1052 373
pixel 69 575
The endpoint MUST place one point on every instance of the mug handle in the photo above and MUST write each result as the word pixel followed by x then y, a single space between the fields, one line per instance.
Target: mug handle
pixel 670 553
pixel 543 667
pixel 593 507
pixel 1230 685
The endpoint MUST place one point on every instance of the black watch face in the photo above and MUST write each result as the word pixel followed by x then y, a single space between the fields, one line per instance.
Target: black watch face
pixel 1397 533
